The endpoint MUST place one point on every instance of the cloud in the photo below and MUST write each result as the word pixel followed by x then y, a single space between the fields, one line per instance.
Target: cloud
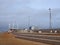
pixel 20 10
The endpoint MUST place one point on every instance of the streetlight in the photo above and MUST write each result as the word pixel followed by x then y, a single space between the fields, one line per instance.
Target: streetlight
pixel 50 18
pixel 13 26
pixel 29 21
pixel 17 26
pixel 9 26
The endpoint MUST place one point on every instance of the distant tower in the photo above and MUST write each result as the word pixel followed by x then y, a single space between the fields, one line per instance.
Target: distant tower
pixel 50 22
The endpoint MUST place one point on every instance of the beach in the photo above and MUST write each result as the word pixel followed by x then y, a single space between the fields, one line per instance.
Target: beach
pixel 9 39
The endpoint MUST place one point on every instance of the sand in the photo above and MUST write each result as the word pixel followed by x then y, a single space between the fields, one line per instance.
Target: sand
pixel 9 39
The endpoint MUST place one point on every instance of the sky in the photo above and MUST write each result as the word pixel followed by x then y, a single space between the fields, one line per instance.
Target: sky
pixel 25 13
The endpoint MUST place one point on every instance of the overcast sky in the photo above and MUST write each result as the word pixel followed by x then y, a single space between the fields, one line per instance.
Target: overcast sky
pixel 19 11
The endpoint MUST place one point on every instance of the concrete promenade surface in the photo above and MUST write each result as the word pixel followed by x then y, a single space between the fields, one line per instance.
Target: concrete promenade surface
pixel 9 39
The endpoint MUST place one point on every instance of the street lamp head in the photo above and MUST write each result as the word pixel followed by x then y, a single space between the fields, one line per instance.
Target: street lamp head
pixel 49 9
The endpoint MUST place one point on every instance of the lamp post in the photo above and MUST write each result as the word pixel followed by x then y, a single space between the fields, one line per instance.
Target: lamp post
pixel 29 21
pixel 9 26
pixel 17 26
pixel 50 18
pixel 13 26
